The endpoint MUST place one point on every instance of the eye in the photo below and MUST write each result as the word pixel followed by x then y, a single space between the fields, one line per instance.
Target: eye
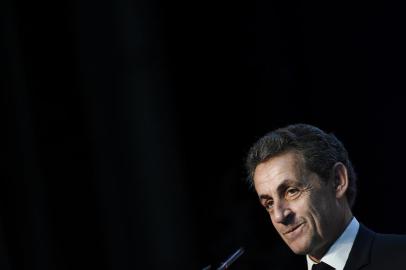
pixel 292 193
pixel 268 205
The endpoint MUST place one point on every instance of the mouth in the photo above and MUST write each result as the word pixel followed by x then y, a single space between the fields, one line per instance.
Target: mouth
pixel 292 229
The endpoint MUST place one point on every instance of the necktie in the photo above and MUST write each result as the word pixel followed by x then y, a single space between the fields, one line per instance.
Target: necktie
pixel 322 266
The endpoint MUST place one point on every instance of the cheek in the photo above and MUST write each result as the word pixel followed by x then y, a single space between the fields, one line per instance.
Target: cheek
pixel 308 211
pixel 319 214
pixel 278 227
pixel 302 207
pixel 273 223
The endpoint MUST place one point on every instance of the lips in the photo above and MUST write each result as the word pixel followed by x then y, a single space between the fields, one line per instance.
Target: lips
pixel 292 229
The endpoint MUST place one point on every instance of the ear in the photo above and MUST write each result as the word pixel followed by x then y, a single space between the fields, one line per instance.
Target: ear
pixel 340 179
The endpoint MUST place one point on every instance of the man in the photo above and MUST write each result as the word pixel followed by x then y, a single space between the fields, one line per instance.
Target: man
pixel 306 182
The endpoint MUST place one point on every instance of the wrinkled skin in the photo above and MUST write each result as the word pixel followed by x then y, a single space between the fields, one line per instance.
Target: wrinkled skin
pixel 307 213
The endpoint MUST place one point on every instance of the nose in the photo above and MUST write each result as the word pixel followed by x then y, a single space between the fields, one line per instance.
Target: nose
pixel 281 213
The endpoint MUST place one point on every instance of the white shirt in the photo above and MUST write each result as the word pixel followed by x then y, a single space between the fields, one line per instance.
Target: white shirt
pixel 338 253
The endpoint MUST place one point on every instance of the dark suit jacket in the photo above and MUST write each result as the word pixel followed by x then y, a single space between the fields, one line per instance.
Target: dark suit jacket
pixel 374 251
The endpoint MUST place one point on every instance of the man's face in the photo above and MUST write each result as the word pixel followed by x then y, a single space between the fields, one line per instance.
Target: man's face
pixel 303 210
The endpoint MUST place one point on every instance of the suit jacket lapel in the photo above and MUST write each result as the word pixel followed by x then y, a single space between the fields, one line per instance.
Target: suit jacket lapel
pixel 361 250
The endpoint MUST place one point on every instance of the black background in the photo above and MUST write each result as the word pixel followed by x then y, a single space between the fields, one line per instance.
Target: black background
pixel 127 124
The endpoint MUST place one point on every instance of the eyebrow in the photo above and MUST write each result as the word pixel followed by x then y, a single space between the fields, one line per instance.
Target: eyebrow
pixel 280 188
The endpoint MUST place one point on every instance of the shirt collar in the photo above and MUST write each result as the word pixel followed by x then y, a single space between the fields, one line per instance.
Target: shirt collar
pixel 338 253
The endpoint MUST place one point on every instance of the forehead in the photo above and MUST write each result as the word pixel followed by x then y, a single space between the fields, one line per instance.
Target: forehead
pixel 283 168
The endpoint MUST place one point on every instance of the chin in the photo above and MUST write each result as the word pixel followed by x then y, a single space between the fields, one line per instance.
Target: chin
pixel 302 243
pixel 299 250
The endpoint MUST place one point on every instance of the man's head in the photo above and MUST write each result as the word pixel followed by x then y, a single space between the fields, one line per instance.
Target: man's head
pixel 306 182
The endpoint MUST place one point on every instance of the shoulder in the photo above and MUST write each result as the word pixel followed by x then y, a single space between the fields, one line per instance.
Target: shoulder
pixel 388 251
pixel 389 243
pixel 382 243
pixel 374 251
